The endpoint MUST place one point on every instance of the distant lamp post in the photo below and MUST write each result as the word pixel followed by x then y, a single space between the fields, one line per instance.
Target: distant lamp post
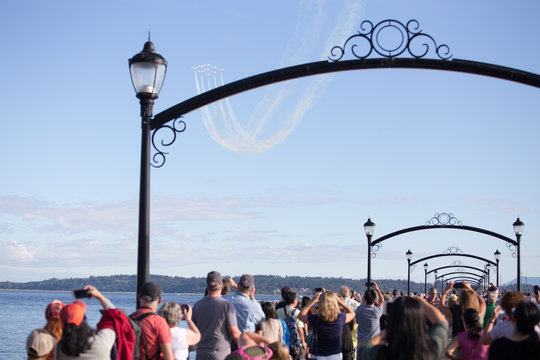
pixel 497 256
pixel 518 230
pixel 488 269
pixel 435 280
pixel 369 228
pixel 408 254
pixel 426 267
pixel 147 70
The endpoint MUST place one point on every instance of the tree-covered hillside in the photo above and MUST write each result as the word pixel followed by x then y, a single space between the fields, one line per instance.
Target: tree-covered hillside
pixel 265 284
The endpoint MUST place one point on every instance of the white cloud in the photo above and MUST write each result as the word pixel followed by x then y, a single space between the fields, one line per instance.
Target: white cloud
pixel 14 252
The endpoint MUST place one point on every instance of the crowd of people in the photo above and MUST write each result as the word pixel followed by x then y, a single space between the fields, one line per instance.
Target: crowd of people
pixel 228 323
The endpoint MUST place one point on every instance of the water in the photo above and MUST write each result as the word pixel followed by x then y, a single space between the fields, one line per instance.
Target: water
pixel 23 311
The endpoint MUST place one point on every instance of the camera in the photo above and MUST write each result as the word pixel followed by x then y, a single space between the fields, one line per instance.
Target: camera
pixel 80 293
pixel 184 307
pixel 319 289
pixel 459 285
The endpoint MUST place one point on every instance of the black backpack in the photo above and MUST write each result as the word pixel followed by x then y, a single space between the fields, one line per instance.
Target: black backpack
pixel 135 324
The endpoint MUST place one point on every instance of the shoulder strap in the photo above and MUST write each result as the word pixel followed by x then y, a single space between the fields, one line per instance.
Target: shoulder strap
pixel 143 316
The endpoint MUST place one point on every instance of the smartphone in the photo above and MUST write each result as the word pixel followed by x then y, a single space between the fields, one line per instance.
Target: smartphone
pixel 458 285
pixel 80 293
pixel 184 307
pixel 318 290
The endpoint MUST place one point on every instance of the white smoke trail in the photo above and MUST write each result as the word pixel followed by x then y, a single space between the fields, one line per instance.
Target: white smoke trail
pixel 267 126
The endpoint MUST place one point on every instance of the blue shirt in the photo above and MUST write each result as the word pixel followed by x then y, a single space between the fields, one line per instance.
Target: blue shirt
pixel 248 312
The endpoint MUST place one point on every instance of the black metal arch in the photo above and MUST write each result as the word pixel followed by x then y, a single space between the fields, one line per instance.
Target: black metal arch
pixel 461 278
pixel 444 226
pixel 462 272
pixel 457 266
pixel 464 255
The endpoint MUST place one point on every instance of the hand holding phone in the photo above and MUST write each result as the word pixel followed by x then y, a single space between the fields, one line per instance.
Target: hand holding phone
pixel 80 293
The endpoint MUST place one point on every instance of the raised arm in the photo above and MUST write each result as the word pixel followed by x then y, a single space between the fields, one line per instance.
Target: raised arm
pixel 432 313
pixel 303 316
pixel 442 306
pixel 380 296
pixel 349 314
pixel 193 335
pixel 93 292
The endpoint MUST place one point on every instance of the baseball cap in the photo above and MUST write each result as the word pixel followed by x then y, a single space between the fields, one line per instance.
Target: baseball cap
pixel 214 277
pixel 52 311
pixel 39 343
pixel 246 282
pixel 73 313
pixel 152 290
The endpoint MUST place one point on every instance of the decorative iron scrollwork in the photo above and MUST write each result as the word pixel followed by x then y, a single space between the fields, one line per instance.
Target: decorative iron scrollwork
pixel 454 250
pixel 371 39
pixel 512 249
pixel 374 249
pixel 443 219
pixel 413 267
pixel 178 126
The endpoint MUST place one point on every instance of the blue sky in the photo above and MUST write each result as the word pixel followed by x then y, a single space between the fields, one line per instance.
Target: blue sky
pixel 395 145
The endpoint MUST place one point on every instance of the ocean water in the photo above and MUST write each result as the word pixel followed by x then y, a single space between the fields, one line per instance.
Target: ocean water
pixel 23 311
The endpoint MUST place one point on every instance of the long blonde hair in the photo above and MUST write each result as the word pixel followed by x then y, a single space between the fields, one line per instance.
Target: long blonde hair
pixel 468 300
pixel 328 307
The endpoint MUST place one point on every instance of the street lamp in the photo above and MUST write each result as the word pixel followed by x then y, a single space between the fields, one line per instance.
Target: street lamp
pixel 426 266
pixel 518 230
pixel 497 256
pixel 147 70
pixel 408 254
pixel 488 269
pixel 435 280
pixel 369 227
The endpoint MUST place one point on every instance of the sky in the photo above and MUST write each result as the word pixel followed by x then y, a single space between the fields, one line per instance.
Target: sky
pixel 283 178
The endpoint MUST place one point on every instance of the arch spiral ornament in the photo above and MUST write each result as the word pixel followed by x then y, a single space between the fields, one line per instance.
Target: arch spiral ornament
pixel 443 219
pixel 379 39
pixel 512 249
pixel 374 249
pixel 177 126
pixel 454 250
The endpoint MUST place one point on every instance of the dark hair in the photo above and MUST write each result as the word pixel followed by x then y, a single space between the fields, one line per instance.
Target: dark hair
pixel 226 286
pixel 75 338
pixel 510 300
pixel 472 320
pixel 269 310
pixel 527 317
pixel 285 290
pixel 406 333
pixel 289 297
pixel 369 296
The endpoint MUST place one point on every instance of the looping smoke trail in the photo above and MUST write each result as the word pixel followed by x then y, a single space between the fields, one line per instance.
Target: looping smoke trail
pixel 283 106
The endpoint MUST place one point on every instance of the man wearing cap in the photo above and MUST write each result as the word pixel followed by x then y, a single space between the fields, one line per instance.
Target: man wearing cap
pixel 248 311
pixel 216 319
pixel 39 344
pixel 155 332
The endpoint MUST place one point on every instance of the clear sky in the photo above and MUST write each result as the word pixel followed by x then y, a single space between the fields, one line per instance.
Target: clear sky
pixel 288 191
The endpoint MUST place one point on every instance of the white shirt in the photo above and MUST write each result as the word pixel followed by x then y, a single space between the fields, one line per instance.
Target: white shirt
pixel 178 342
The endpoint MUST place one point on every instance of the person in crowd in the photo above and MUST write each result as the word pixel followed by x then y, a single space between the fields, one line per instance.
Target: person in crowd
pixel 368 314
pixel 271 327
pixel 284 290
pixel 468 341
pixel 406 336
pixel 345 292
pixel 289 313
pixel 215 318
pixel 155 332
pixel 226 286
pixel 348 345
pixel 491 302
pixel 39 344
pixel 327 324
pixel 280 351
pixel 79 340
pixel 395 294
pixel 468 299
pixel 248 310
pixel 181 338
pixel 432 296
pixel 53 325
pixel 536 295
pixel 504 327
pixel 523 344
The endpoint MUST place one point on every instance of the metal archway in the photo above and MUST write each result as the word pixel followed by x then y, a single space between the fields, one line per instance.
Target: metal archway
pixel 413 38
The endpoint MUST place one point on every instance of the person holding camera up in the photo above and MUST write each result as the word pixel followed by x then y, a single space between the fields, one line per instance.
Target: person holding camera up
pixel 181 338
pixel 369 314
pixel 468 299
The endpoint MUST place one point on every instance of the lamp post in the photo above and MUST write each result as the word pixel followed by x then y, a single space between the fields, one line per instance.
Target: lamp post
pixel 426 266
pixel 488 269
pixel 435 280
pixel 408 254
pixel 518 230
pixel 147 70
pixel 497 256
pixel 369 227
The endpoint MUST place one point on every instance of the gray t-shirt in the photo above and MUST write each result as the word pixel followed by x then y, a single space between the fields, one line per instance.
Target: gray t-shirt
pixel 100 349
pixel 213 316
pixel 368 321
